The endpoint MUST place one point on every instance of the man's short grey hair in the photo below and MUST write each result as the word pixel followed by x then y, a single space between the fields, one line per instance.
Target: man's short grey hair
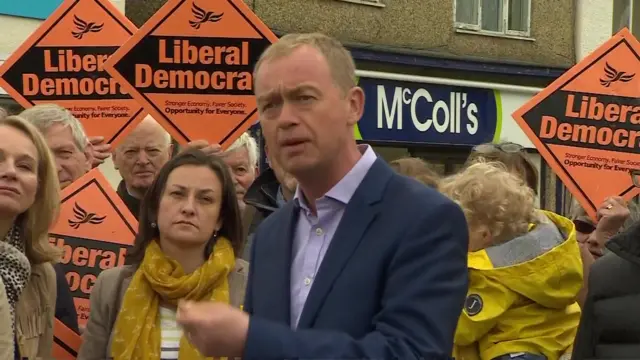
pixel 43 116
pixel 247 141
pixel 3 113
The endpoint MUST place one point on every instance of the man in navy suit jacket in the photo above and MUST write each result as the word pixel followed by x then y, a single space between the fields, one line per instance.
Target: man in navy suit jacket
pixel 363 263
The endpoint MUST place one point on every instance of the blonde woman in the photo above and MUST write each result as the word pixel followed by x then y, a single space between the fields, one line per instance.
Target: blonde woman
pixel 29 202
pixel 524 275
pixel 190 230
pixel 418 169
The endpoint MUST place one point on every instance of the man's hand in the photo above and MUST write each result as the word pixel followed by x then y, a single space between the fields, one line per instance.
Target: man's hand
pixel 611 216
pixel 215 329
pixel 99 150
pixel 204 146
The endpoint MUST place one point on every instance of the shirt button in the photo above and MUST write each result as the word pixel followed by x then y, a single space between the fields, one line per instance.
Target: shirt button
pixel 319 232
pixel 307 281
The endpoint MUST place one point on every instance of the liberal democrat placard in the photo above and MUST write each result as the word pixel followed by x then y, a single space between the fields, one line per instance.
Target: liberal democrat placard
pixel 190 66
pixel 94 229
pixel 66 343
pixel 585 124
pixel 62 62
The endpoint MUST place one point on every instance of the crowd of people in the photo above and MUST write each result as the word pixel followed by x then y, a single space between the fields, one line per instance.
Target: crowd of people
pixel 331 253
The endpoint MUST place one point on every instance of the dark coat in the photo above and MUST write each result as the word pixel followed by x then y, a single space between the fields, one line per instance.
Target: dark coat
pixel 609 327
pixel 132 203
pixel 262 201
pixel 390 286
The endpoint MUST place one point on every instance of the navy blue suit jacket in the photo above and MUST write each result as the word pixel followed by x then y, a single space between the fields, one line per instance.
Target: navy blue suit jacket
pixel 391 286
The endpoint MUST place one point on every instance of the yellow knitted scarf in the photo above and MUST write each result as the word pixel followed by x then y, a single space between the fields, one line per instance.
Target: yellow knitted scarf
pixel 136 334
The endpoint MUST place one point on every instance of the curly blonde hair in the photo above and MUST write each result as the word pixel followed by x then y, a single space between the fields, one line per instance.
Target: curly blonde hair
pixel 416 168
pixel 492 196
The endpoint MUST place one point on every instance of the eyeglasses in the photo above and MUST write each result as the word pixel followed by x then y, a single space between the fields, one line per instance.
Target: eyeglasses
pixel 507 147
pixel 584 227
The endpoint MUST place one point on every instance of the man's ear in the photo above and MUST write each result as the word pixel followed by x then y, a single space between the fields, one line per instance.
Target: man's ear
pixel 356 104
pixel 170 150
pixel 114 160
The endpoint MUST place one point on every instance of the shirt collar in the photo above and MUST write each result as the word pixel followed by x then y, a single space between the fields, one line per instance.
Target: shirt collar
pixel 343 191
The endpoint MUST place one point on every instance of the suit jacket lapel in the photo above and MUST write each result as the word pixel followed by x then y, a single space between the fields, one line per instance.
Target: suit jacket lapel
pixel 276 289
pixel 360 212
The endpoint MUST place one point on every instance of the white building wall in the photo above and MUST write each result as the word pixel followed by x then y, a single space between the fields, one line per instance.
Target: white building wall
pixel 594 20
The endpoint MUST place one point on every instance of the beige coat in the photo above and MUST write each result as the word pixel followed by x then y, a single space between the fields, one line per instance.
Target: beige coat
pixel 6 335
pixel 35 313
pixel 106 298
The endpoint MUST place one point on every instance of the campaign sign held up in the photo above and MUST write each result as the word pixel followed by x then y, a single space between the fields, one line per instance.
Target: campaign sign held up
pixel 191 66
pixel 94 230
pixel 586 123
pixel 62 62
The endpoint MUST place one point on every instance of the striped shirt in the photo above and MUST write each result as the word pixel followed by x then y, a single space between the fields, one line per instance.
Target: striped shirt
pixel 171 334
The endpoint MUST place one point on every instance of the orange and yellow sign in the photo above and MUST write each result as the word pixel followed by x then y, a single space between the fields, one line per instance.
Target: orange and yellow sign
pixel 585 124
pixel 191 67
pixel 95 229
pixel 62 62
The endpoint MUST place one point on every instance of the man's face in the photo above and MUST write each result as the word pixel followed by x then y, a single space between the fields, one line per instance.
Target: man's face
pixel 141 155
pixel 242 171
pixel 70 161
pixel 305 117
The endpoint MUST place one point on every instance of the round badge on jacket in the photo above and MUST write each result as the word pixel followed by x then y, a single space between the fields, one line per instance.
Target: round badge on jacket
pixel 473 305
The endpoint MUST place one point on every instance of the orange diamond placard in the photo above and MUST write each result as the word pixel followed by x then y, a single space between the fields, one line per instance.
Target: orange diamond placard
pixel 586 123
pixel 62 62
pixel 191 66
pixel 95 228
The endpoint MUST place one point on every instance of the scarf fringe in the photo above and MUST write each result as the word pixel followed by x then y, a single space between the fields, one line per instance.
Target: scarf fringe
pixel 32 325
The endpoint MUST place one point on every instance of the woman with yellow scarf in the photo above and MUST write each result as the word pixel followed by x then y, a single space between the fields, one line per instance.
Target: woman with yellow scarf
pixel 190 230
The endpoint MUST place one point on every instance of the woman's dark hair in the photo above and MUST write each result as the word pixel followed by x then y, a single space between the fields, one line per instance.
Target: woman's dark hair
pixel 229 210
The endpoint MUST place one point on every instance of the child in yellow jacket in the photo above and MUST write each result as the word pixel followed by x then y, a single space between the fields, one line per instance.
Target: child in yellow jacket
pixel 525 270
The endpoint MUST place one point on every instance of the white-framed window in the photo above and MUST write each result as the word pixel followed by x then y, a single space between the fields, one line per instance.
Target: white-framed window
pixel 494 17
pixel 626 13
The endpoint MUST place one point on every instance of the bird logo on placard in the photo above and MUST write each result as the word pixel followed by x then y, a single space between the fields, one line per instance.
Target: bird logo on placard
pixel 83 217
pixel 202 16
pixel 612 75
pixel 83 27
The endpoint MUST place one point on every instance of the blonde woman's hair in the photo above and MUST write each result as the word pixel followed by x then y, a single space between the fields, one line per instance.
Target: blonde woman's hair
pixel 341 64
pixel 492 196
pixel 416 168
pixel 40 216
pixel 517 162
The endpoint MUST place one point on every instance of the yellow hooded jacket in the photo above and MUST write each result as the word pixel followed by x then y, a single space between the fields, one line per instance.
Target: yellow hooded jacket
pixel 522 294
